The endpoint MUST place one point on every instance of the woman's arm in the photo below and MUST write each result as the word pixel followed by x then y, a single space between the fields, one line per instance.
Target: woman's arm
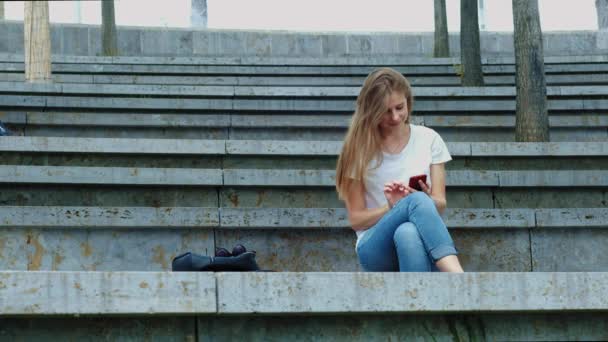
pixel 359 216
pixel 438 186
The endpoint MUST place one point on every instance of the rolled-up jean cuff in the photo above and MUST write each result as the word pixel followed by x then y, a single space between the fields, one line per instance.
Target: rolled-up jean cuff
pixel 443 251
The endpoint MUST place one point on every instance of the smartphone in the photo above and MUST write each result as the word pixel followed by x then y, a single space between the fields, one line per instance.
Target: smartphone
pixel 414 182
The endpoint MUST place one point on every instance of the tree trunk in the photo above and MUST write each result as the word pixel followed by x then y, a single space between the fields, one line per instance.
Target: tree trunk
pixel 470 51
pixel 198 13
pixel 37 41
pixel 1 10
pixel 108 29
pixel 531 119
pixel 601 7
pixel 442 44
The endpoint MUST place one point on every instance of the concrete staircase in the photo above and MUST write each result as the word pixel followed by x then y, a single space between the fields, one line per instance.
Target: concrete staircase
pixel 107 180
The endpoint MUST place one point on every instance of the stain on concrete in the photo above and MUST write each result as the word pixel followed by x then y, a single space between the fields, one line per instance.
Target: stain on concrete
pixel 2 246
pixel 35 261
pixel 159 257
pixel 87 250
pixel 57 260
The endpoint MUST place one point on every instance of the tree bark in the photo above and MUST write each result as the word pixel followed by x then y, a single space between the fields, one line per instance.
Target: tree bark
pixel 109 44
pixel 531 118
pixel 470 50
pixel 601 7
pixel 37 42
pixel 198 13
pixel 442 44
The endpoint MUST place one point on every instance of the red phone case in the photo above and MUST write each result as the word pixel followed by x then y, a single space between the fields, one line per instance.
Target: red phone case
pixel 414 182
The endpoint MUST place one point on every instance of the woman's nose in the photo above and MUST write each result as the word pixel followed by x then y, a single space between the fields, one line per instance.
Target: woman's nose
pixel 395 115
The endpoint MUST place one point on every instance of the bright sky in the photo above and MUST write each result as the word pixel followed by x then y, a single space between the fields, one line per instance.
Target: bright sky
pixel 315 15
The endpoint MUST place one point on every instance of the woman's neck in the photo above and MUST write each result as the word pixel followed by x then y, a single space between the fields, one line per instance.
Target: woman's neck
pixel 394 140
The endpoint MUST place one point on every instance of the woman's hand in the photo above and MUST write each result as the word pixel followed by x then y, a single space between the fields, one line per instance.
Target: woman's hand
pixel 394 191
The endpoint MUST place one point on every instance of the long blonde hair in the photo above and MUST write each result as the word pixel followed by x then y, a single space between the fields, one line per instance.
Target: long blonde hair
pixel 362 143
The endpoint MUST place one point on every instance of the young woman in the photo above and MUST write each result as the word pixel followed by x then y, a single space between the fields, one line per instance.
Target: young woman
pixel 398 227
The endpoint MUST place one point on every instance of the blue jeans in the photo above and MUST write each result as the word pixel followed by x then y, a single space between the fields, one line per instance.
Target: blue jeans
pixel 409 238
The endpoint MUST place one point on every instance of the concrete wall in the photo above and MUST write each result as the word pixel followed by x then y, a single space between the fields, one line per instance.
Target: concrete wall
pixel 135 41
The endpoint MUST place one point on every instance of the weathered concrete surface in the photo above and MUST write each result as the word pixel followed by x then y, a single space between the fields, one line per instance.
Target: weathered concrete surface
pixel 284 217
pixel 301 60
pixel 338 218
pixel 116 217
pixel 128 119
pixel 253 177
pixel 269 147
pixel 314 250
pixel 493 250
pixel 75 293
pixel 283 80
pixel 569 250
pixel 590 132
pixel 395 327
pixel 301 250
pixel 565 178
pixel 587 217
pixel 78 195
pixel 564 197
pixel 121 329
pixel 118 159
pixel 46 101
pixel 489 218
pixel 266 197
pixel 540 149
pixel 276 121
pixel 212 133
pixel 274 293
pixel 109 145
pixel 109 175
pixel 99 249
pixel 408 327
pixel 215 91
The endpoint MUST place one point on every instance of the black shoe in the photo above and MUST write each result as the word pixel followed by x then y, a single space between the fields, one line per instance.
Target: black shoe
pixel 4 131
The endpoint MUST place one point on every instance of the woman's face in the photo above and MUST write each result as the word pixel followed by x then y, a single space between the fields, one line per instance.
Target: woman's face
pixel 396 113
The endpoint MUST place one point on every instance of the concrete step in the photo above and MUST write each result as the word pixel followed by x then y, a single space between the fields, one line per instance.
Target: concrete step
pixel 329 93
pixel 533 186
pixel 26 174
pixel 323 81
pixel 311 306
pixel 214 293
pixel 286 105
pixel 308 61
pixel 261 121
pixel 277 148
pixel 268 154
pixel 280 218
pixel 294 69
pixel 457 127
pixel 286 239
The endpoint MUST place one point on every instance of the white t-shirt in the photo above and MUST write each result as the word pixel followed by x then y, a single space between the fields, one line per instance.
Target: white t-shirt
pixel 424 148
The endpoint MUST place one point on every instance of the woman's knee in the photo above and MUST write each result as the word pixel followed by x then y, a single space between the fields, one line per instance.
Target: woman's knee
pixel 406 232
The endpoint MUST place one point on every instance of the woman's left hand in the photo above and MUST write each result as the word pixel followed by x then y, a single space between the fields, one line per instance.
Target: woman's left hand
pixel 425 188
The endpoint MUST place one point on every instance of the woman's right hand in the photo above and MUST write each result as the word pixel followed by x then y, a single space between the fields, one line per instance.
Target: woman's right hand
pixel 394 191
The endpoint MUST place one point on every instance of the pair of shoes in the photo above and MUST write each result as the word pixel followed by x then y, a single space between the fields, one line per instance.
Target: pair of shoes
pixel 236 251
pixel 190 262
